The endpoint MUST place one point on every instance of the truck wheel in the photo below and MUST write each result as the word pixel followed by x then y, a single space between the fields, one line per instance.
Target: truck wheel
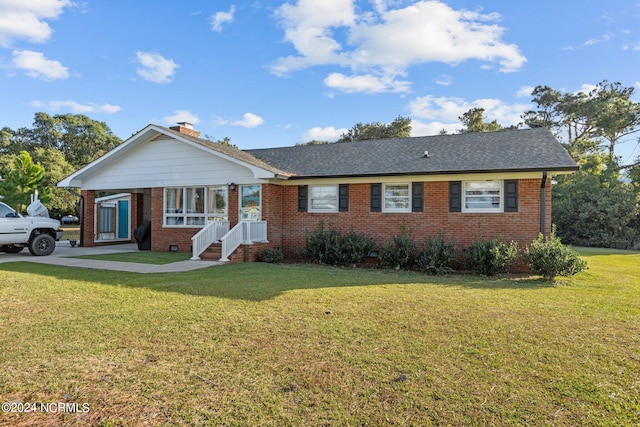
pixel 10 249
pixel 41 245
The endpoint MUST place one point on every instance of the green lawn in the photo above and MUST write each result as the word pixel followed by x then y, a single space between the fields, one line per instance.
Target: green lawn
pixel 144 257
pixel 257 344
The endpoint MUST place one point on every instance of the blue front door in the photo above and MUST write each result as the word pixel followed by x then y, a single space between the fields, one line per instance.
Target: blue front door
pixel 123 219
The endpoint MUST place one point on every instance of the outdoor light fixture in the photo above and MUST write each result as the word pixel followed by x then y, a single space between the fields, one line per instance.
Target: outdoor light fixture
pixel 232 186
pixel 173 248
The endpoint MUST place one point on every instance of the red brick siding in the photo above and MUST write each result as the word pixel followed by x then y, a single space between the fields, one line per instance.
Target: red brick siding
pixel 287 227
pixel 162 237
pixel 88 218
pixel 462 228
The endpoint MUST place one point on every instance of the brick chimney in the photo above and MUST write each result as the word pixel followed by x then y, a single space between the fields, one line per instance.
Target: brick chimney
pixel 186 128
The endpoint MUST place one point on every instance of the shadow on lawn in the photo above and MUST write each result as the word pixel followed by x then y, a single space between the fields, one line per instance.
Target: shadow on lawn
pixel 258 281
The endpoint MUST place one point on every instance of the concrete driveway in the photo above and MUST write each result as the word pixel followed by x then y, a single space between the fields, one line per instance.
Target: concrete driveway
pixel 64 256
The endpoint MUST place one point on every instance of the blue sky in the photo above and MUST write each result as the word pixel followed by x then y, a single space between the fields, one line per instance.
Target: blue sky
pixel 275 73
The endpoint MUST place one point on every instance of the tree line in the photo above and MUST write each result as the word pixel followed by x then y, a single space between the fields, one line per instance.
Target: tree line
pixel 37 158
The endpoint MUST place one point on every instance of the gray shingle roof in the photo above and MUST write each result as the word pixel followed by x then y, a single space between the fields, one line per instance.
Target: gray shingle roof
pixel 507 150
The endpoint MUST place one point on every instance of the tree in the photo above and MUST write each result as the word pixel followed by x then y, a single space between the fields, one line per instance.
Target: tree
pixel 57 168
pixel 474 121
pixel 21 180
pixel 613 113
pixel 400 127
pixel 226 141
pixel 591 211
pixel 589 122
pixel 81 139
pixel 313 142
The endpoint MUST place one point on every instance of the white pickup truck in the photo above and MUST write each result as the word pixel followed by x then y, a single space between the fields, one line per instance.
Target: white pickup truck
pixel 38 233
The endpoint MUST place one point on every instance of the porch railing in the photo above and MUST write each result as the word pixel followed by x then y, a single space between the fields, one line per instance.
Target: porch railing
pixel 211 233
pixel 245 232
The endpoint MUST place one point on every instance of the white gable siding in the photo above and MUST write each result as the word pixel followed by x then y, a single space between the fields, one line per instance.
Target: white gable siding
pixel 165 162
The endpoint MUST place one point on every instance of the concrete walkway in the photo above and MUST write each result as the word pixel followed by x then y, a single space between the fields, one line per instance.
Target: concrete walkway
pixel 64 253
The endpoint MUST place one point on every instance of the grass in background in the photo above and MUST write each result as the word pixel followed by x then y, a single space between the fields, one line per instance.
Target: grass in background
pixel 71 232
pixel 258 344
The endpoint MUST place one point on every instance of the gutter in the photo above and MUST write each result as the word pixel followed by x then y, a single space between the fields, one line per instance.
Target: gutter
pixel 543 202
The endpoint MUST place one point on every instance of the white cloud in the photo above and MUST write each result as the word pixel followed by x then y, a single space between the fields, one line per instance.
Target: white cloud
pixel 586 88
pixel 365 83
pixel 443 80
pixel 77 108
pixel 605 37
pixel 249 120
pixel 525 91
pixel 221 18
pixel 24 20
pixel 329 134
pixel 385 42
pixel 155 68
pixel 419 128
pixel 448 109
pixel 37 66
pixel 181 116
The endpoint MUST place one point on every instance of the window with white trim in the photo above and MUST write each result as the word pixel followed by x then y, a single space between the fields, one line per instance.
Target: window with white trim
pixel 323 198
pixel 192 206
pixel 396 198
pixel 482 196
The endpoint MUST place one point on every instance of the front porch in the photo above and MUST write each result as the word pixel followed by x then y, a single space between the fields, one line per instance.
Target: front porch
pixel 203 221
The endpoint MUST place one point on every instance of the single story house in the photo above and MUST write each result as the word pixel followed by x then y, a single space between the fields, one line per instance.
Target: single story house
pixel 199 196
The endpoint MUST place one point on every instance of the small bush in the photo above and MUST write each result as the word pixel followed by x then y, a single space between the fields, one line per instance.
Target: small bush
pixel 491 257
pixel 437 255
pixel 330 247
pixel 270 255
pixel 550 258
pixel 400 252
pixel 322 246
pixel 354 247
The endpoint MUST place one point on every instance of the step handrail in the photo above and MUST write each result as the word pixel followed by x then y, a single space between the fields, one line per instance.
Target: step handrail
pixel 210 233
pixel 231 241
pixel 245 232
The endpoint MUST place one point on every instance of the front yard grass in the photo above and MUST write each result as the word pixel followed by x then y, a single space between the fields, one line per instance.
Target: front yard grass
pixel 258 344
pixel 143 257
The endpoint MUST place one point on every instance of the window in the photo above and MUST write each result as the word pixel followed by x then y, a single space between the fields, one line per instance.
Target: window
pixel 482 196
pixel 217 203
pixel 190 206
pixel 397 198
pixel 323 198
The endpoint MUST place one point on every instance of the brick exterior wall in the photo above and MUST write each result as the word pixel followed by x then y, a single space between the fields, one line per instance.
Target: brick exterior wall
pixel 287 227
pixel 163 237
pixel 462 228
pixel 88 218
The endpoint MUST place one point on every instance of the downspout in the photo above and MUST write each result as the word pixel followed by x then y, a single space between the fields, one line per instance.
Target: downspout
pixel 543 202
pixel 80 213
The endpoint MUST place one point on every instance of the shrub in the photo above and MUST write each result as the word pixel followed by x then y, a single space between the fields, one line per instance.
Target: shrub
pixel 491 257
pixel 322 246
pixel 270 255
pixel 330 247
pixel 550 258
pixel 400 252
pixel 437 255
pixel 354 247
